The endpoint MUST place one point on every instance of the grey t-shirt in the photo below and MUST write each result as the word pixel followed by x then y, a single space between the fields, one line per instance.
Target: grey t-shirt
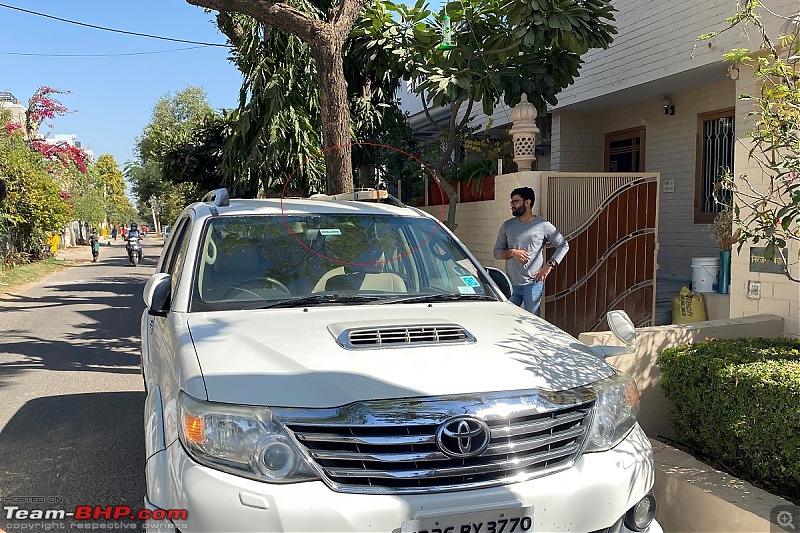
pixel 531 237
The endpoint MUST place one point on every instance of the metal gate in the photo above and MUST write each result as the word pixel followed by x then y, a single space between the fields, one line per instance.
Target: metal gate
pixel 611 224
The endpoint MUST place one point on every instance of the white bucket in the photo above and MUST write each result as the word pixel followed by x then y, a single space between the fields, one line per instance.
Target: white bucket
pixel 705 274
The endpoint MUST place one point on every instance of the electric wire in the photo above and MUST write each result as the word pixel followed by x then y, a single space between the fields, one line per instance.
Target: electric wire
pixel 137 34
pixel 27 54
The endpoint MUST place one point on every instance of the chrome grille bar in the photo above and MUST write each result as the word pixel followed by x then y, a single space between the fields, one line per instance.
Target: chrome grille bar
pixel 532 427
pixel 496 449
pixel 391 446
pixel 494 466
pixel 393 440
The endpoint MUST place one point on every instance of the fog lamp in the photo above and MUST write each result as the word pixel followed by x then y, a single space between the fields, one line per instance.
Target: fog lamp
pixel 639 516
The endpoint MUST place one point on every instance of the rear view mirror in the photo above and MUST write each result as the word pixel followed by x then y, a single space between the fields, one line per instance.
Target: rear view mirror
pixel 501 280
pixel 156 294
pixel 622 327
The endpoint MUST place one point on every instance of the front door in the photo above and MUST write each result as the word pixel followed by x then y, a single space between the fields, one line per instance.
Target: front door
pixel 625 150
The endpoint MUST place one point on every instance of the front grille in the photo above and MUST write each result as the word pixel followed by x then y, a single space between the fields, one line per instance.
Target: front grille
pixel 405 335
pixel 399 454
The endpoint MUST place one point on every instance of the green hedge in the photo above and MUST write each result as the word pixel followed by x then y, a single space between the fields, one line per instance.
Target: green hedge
pixel 739 402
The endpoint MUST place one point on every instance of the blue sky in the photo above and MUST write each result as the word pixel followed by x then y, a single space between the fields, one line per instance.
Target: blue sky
pixel 113 97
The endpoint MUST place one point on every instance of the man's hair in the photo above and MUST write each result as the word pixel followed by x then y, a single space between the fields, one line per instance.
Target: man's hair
pixel 526 193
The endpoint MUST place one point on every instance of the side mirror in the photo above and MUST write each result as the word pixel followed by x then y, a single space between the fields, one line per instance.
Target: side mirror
pixel 622 327
pixel 501 280
pixel 156 294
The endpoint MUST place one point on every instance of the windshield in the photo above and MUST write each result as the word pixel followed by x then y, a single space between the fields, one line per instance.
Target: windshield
pixel 250 262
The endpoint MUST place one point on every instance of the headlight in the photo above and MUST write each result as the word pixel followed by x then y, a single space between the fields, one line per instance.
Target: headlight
pixel 246 441
pixel 615 411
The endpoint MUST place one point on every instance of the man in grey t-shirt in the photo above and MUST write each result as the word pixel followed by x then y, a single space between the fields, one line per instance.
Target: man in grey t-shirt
pixel 520 242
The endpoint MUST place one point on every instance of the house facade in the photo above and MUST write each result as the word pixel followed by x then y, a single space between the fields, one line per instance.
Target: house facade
pixel 661 100
pixel 10 102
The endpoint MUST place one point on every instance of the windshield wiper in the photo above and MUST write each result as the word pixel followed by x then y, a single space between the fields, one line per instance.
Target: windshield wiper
pixel 436 298
pixel 321 299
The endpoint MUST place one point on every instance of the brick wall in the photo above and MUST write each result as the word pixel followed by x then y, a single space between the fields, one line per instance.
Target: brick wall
pixel 779 295
pixel 577 142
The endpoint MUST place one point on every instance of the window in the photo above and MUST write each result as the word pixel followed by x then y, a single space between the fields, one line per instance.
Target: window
pixel 625 150
pixel 715 138
pixel 250 262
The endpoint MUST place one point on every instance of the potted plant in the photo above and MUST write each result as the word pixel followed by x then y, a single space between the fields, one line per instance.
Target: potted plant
pixel 477 179
pixel 722 232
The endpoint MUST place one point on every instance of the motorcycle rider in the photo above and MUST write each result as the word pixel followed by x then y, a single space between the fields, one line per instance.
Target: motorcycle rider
pixel 134 233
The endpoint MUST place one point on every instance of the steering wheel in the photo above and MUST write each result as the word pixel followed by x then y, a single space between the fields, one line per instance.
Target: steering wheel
pixel 258 283
pixel 439 250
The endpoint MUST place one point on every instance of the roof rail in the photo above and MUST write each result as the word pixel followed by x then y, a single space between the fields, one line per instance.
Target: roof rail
pixel 362 195
pixel 218 197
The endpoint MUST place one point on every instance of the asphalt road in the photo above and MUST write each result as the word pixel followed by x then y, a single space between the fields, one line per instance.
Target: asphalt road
pixel 71 394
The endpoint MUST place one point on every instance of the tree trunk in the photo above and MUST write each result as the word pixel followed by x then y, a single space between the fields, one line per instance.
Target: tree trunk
pixel 366 175
pixel 326 39
pixel 335 115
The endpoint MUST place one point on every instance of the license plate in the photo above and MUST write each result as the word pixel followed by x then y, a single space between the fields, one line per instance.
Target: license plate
pixel 500 521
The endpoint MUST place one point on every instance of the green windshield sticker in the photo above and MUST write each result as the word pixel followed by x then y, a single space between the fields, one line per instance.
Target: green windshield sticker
pixel 466 290
pixel 333 231
pixel 470 281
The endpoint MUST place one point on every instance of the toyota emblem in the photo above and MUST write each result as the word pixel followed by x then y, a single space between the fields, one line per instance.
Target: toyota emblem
pixel 463 436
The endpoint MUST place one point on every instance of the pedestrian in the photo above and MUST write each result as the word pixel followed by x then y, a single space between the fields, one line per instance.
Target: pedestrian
pixel 521 243
pixel 114 232
pixel 123 229
pixel 94 242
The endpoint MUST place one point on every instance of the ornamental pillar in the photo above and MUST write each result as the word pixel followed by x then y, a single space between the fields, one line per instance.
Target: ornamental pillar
pixel 524 133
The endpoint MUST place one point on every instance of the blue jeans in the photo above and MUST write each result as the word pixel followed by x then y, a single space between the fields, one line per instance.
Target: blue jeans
pixel 529 295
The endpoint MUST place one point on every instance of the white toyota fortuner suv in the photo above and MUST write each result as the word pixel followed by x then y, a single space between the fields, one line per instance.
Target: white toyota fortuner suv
pixel 331 365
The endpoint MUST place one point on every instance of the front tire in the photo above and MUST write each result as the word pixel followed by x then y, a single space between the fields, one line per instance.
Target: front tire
pixel 136 260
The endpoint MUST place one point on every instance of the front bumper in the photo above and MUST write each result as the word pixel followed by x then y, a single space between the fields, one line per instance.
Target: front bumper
pixel 591 496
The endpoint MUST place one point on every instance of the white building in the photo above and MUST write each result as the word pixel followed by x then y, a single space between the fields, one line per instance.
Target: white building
pixel 661 100
pixel 9 101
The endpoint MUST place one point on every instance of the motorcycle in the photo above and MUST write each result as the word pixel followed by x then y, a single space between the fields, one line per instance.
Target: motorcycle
pixel 134 248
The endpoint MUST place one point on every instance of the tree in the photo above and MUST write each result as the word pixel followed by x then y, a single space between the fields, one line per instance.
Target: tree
pixel 324 29
pixel 116 203
pixel 175 121
pixel 276 129
pixel 503 50
pixel 35 208
pixel 769 212
pixel 277 126
pixel 43 106
pixel 154 194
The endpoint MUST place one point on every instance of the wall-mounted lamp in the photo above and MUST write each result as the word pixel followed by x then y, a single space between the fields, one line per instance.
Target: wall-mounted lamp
pixel 668 105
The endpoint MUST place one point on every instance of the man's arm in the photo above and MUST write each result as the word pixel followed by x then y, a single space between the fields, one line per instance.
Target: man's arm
pixel 559 243
pixel 501 244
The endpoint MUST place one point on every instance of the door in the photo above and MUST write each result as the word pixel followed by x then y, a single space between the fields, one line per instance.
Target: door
pixel 624 150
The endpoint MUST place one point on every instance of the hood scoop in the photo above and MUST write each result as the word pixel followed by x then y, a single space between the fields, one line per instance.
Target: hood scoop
pixel 361 336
